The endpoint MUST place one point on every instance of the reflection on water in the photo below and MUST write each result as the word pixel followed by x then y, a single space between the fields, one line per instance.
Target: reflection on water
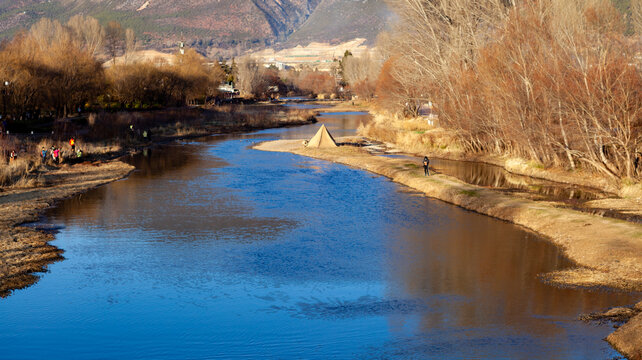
pixel 214 250
pixel 483 174
pixel 495 176
pixel 302 105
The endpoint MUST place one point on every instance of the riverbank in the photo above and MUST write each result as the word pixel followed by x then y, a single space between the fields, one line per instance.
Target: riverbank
pixel 608 252
pixel 24 250
pixel 416 136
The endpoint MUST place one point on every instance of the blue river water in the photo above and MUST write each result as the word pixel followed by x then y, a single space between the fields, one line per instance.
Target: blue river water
pixel 213 250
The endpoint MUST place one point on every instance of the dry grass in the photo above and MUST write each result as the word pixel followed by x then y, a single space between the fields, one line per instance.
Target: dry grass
pixel 631 191
pixel 19 173
pixel 413 135
pixel 438 142
pixel 26 171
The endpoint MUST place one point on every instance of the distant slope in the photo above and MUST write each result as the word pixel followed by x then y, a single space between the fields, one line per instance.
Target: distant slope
pixel 337 21
pixel 161 23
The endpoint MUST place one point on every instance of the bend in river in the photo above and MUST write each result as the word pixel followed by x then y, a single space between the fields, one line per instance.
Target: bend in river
pixel 215 250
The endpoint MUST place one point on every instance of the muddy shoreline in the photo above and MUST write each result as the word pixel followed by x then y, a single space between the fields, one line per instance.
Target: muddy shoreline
pixel 608 251
pixel 25 251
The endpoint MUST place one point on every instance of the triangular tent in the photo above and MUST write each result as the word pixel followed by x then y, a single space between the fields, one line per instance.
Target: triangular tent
pixel 322 139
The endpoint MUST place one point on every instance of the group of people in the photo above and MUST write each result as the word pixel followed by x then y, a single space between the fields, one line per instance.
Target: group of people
pixel 56 153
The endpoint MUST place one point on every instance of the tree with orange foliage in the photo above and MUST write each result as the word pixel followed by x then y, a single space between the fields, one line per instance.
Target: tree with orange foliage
pixel 316 82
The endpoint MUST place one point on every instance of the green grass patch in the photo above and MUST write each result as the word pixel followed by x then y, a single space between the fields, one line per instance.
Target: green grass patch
pixel 411 165
pixel 420 132
pixel 536 164
pixel 472 193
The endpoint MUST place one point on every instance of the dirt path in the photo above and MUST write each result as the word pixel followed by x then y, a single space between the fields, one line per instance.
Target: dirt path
pixel 25 251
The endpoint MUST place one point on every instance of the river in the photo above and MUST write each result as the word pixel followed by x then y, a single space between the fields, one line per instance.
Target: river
pixel 213 250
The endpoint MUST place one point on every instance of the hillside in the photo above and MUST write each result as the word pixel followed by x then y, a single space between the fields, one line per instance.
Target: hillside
pixel 337 21
pixel 207 24
pixel 162 23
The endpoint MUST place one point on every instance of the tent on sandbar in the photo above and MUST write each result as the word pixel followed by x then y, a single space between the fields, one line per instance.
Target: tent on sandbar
pixel 322 139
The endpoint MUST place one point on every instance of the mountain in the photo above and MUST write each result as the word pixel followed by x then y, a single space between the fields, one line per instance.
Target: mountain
pixel 211 23
pixel 336 21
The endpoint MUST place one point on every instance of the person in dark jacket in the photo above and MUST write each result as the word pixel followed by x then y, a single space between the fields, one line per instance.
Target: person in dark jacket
pixel 426 164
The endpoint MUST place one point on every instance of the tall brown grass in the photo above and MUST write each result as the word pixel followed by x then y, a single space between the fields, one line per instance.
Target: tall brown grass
pixel 18 173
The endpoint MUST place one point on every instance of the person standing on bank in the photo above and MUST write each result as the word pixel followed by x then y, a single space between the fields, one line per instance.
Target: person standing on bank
pixel 426 163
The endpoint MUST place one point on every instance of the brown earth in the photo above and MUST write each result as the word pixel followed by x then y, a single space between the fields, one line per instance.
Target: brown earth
pixel 628 338
pixel 608 252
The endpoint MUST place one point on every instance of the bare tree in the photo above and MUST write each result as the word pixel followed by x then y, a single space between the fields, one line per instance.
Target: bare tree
pixel 248 76
pixel 46 32
pixel 361 74
pixel 88 33
pixel 547 80
pixel 130 44
pixel 114 39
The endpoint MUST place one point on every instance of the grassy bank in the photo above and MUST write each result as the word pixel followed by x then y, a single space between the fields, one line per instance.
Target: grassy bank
pixel 416 136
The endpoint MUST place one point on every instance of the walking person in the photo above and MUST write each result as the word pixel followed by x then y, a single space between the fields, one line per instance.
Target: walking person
pixel 72 143
pixel 426 164
pixel 13 156
pixel 43 155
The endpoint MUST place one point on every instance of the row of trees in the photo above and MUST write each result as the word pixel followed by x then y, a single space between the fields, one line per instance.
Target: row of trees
pixel 49 68
pixel 356 75
pixel 187 79
pixel 53 69
pixel 555 81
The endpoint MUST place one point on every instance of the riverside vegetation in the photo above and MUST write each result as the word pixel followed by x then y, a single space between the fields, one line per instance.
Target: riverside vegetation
pixel 555 83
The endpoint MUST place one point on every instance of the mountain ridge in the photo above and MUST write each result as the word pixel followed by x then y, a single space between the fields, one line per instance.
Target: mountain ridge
pixel 212 24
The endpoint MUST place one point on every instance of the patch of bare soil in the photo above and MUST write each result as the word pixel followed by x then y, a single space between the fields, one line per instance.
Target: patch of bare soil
pixel 24 251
